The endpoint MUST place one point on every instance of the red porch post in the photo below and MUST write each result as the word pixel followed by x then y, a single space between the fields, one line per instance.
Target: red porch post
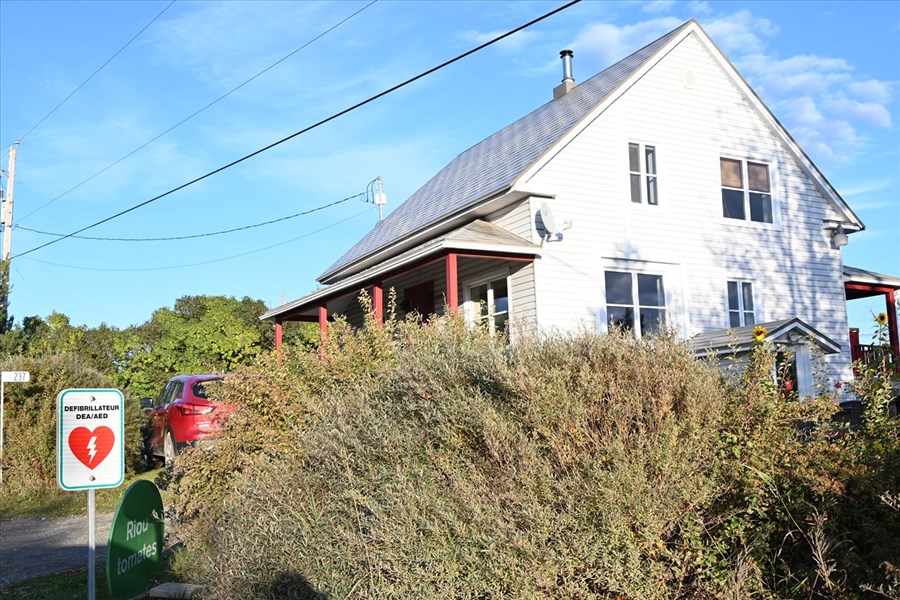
pixel 323 328
pixel 378 302
pixel 279 332
pixel 452 284
pixel 891 311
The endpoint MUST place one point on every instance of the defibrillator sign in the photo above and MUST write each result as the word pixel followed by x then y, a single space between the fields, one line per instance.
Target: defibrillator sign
pixel 90 427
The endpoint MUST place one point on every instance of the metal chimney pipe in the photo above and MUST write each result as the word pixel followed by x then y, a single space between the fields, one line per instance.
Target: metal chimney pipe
pixel 566 56
pixel 568 82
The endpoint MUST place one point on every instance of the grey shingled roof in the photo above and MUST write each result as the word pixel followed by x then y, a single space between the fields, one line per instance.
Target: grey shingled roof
pixel 492 165
pixel 855 274
pixel 482 232
pixel 737 336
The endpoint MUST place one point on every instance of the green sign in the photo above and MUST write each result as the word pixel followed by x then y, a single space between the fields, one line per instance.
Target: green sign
pixel 135 541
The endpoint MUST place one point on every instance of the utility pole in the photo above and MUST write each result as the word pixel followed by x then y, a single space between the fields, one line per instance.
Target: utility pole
pixel 8 206
pixel 7 236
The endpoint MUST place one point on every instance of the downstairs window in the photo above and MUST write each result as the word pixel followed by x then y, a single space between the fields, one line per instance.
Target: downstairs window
pixel 635 302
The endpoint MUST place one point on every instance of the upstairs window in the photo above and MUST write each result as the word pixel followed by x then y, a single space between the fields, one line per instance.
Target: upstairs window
pixel 642 169
pixel 635 302
pixel 740 304
pixel 746 190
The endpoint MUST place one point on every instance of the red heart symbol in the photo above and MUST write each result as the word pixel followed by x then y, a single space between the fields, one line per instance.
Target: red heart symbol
pixel 91 447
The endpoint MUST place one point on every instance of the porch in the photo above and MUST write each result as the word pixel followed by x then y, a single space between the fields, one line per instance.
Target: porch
pixel 859 283
pixel 479 263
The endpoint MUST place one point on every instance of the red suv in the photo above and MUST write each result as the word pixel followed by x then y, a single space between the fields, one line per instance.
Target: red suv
pixel 182 414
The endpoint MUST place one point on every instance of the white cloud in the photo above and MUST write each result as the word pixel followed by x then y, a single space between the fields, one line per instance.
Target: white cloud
pixel 223 43
pixel 867 187
pixel 871 90
pixel 802 111
pixel 603 44
pixel 821 135
pixel 740 32
pixel 514 43
pixel 795 75
pixel 820 99
pixel 835 140
pixel 871 113
pixel 698 7
pixel 658 6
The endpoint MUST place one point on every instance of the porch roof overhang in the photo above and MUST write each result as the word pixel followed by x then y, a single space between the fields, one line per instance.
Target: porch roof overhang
pixel 739 340
pixel 860 283
pixel 508 196
pixel 476 238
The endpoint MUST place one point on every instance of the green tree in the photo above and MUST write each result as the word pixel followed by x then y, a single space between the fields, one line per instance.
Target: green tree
pixel 199 334
pixel 53 335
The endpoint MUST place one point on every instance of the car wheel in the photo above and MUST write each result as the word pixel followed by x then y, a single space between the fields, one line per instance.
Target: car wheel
pixel 170 450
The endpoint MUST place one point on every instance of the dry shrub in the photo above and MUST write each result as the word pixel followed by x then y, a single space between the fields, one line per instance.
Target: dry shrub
pixel 436 461
pixel 451 465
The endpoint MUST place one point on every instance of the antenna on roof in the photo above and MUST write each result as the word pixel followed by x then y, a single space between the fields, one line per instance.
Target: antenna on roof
pixel 379 198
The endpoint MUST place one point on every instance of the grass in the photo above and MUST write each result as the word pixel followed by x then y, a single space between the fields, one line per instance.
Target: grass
pixel 56 502
pixel 71 584
pixel 60 586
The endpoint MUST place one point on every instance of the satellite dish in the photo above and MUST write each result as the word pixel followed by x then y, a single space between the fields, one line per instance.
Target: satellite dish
pixel 548 219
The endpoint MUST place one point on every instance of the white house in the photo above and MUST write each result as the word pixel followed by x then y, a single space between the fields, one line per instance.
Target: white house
pixel 660 191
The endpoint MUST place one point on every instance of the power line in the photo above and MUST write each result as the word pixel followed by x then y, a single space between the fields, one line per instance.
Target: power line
pixel 197 235
pixel 207 262
pixel 306 129
pixel 109 60
pixel 197 112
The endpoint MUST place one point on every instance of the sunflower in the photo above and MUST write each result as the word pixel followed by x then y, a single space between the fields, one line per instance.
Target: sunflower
pixel 882 318
pixel 759 333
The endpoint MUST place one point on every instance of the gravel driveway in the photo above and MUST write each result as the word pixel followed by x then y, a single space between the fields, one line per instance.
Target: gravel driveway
pixel 31 547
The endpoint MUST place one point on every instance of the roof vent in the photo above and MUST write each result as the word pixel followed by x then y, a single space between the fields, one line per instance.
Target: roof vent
pixel 568 82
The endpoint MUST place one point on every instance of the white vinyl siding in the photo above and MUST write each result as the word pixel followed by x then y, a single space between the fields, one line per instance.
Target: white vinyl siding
pixel 515 219
pixel 522 299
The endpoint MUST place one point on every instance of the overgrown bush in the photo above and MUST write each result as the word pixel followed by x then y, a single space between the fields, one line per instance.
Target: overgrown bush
pixel 436 461
pixel 29 428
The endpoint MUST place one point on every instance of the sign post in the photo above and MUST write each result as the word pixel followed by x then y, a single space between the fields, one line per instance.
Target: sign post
pixel 90 450
pixel 8 376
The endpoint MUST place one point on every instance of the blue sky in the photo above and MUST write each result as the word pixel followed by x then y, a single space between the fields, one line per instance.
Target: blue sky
pixel 830 72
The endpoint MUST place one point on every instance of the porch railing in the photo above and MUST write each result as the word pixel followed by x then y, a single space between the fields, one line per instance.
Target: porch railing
pixel 868 354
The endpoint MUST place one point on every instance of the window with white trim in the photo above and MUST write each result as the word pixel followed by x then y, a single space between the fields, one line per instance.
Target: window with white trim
pixel 642 170
pixel 489 304
pixel 635 302
pixel 746 190
pixel 740 304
